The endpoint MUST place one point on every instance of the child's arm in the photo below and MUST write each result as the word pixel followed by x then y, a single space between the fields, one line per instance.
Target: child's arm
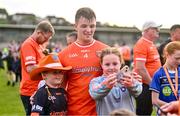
pixel 136 89
pixel 99 87
pixel 34 114
pixel 156 100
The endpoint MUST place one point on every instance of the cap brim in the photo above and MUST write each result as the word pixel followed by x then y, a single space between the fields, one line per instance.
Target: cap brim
pixel 36 73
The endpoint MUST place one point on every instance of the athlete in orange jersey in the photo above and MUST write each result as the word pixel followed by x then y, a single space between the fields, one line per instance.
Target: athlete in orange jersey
pixel 82 55
pixel 146 62
pixel 31 53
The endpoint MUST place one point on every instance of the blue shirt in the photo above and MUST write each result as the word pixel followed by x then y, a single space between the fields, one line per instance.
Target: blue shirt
pixel 161 85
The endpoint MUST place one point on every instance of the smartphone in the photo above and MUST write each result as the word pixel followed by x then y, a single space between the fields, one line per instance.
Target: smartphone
pixel 121 73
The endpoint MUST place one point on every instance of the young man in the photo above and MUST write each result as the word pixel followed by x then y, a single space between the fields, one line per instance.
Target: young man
pixel 146 62
pixel 31 52
pixel 82 55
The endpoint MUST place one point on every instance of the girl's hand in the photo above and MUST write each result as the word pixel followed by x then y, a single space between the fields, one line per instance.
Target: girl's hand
pixel 136 76
pixel 111 80
pixel 127 81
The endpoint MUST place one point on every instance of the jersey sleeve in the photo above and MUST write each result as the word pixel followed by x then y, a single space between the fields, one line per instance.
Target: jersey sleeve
pixel 28 54
pixel 155 84
pixel 97 88
pixel 40 99
pixel 140 52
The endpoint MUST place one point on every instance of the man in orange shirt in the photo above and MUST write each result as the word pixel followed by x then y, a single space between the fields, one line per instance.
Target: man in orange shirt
pixel 31 52
pixel 82 55
pixel 126 53
pixel 146 62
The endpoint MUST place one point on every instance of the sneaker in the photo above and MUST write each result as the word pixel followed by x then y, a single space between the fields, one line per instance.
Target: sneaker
pixel 13 84
pixel 8 83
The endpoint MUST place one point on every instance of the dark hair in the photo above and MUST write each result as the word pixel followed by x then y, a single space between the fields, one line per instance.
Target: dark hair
pixel 85 12
pixel 74 34
pixel 174 27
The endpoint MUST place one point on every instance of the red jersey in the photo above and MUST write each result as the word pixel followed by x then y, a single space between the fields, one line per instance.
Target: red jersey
pixel 86 66
pixel 146 51
pixel 30 53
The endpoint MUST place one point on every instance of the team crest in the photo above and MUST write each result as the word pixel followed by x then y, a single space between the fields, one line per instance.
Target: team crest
pixel 98 53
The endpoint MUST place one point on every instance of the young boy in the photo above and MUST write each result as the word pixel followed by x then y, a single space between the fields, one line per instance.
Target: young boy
pixel 51 98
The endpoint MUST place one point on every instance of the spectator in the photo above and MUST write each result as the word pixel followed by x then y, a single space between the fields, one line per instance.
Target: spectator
pixel 82 55
pixel 71 37
pixel 10 68
pixel 51 98
pixel 126 53
pixel 174 36
pixel 146 62
pixel 168 76
pixel 110 90
pixel 31 52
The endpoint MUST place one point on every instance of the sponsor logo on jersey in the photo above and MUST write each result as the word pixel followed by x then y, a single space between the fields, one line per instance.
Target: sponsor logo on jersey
pixel 73 55
pixel 37 107
pixel 166 91
pixel 30 58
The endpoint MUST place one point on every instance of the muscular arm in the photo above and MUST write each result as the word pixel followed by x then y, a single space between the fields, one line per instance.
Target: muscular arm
pixel 141 70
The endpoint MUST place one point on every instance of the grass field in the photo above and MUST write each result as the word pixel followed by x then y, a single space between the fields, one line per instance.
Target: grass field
pixel 10 103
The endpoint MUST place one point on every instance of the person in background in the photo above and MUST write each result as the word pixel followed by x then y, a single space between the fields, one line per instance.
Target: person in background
pixel 110 90
pixel 164 85
pixel 71 37
pixel 126 53
pixel 10 61
pixel 146 62
pixel 31 52
pixel 82 55
pixel 51 98
pixel 174 36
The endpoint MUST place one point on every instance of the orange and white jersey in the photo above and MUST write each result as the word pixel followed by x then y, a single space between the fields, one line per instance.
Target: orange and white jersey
pixel 86 66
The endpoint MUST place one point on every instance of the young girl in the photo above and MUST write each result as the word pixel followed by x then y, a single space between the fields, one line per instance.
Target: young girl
pixel 107 91
pixel 165 85
pixel 51 98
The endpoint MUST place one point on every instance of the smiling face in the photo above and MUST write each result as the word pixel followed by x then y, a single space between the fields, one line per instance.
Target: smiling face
pixel 85 30
pixel 53 78
pixel 110 64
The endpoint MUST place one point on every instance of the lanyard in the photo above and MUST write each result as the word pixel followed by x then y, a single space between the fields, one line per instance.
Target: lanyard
pixel 175 90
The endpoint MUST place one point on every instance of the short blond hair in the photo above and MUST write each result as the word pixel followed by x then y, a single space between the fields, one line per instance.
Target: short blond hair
pixel 45 26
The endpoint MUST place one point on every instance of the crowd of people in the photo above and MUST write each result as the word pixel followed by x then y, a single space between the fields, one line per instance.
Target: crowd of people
pixel 89 77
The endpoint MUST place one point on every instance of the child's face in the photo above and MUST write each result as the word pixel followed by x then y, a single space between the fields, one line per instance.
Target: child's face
pixel 110 64
pixel 174 59
pixel 54 77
